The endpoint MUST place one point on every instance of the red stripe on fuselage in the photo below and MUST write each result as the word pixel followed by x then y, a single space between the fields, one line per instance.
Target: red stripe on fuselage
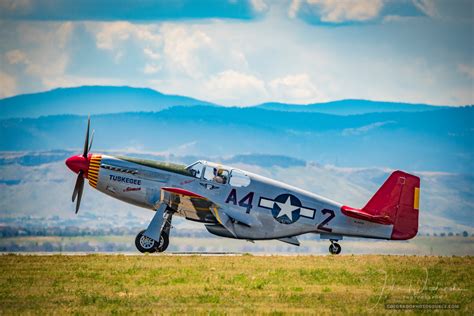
pixel 183 192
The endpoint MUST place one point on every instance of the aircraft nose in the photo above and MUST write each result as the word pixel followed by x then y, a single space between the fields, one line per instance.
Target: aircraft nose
pixel 78 163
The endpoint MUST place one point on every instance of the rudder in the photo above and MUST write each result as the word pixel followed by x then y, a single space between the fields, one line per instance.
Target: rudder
pixel 398 199
pixel 406 223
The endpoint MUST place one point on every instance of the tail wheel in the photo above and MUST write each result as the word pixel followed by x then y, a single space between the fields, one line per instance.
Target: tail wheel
pixel 335 248
pixel 145 244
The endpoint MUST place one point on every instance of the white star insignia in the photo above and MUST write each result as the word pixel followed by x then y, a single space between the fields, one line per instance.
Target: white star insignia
pixel 287 208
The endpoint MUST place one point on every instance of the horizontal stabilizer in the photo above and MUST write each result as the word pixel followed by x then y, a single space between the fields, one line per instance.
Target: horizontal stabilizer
pixel 360 214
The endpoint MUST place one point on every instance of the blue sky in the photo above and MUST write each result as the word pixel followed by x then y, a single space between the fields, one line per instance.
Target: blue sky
pixel 244 52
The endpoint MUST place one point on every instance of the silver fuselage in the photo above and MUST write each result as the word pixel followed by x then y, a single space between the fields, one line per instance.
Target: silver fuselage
pixel 141 185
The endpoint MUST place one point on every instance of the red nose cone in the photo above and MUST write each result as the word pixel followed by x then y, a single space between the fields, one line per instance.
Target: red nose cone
pixel 78 163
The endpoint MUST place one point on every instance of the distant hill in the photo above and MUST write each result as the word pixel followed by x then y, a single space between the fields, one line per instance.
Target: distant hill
pixel 108 99
pixel 350 107
pixel 432 140
pixel 91 100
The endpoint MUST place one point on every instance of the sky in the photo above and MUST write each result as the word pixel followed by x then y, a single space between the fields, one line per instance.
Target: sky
pixel 244 52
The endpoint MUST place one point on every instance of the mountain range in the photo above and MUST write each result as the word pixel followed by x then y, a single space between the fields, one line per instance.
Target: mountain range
pixel 109 99
pixel 91 100
pixel 440 140
pixel 350 107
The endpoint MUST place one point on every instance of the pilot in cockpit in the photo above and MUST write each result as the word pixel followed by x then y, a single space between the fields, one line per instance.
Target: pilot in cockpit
pixel 220 176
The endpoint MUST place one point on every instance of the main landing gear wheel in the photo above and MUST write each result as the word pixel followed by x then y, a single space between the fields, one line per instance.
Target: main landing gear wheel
pixel 145 244
pixel 335 248
pixel 164 242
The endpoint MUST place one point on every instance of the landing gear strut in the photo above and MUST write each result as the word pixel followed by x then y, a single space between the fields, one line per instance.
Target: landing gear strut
pixel 335 248
pixel 156 237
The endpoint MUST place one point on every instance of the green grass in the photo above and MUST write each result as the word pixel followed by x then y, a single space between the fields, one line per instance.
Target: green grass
pixel 231 284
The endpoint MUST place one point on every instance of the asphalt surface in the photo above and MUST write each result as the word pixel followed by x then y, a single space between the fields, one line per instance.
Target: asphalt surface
pixel 222 254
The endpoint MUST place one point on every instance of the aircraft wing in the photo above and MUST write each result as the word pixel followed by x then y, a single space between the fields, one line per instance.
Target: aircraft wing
pixel 188 204
pixel 196 207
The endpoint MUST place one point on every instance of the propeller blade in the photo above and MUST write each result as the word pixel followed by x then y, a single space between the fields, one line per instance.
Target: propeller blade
pixel 86 143
pixel 92 140
pixel 79 195
pixel 79 183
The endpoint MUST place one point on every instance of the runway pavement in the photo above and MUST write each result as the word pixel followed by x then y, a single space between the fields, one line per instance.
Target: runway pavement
pixel 217 254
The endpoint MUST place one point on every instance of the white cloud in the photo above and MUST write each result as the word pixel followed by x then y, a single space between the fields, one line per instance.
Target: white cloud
pixel 349 10
pixel 43 50
pixel 151 69
pixel 178 48
pixel 151 54
pixel 294 88
pixel 259 5
pixel 149 34
pixel 16 56
pixel 399 19
pixel 273 57
pixel 7 85
pixel 183 49
pixel 294 8
pixel 231 87
pixel 109 34
pixel 42 66
pixel 427 6
pixel 118 37
pixel 49 57
pixel 209 61
pixel 466 70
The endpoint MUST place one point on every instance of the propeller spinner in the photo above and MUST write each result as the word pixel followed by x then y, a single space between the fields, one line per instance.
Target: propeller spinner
pixel 80 165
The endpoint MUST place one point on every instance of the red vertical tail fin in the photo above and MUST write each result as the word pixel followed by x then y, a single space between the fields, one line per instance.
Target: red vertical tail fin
pixel 395 203
pixel 406 222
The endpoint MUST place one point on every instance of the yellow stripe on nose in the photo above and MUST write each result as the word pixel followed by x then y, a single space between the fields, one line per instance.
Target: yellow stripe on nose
pixel 416 202
pixel 93 172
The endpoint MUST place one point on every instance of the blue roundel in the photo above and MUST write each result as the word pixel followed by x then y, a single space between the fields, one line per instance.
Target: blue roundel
pixel 286 208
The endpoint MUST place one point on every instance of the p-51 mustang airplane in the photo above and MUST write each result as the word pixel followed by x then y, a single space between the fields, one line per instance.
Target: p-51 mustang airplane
pixel 237 204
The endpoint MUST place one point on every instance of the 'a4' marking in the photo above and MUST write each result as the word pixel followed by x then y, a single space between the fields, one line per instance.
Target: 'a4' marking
pixel 246 201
